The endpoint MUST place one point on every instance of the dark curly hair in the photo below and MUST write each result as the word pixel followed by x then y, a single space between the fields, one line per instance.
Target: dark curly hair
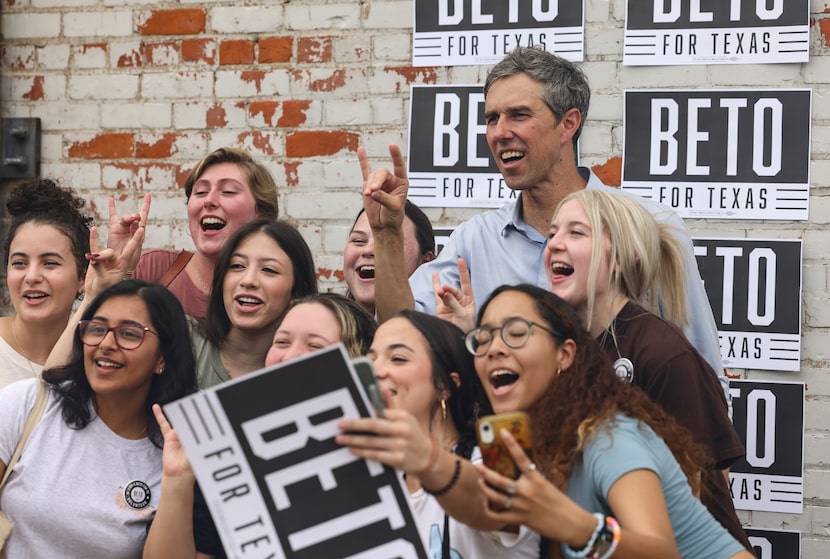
pixel 217 324
pixel 178 379
pixel 448 354
pixel 43 201
pixel 588 395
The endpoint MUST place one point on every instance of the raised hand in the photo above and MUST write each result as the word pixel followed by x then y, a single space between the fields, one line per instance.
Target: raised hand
pixel 122 229
pixel 173 458
pixel 108 266
pixel 384 192
pixel 456 305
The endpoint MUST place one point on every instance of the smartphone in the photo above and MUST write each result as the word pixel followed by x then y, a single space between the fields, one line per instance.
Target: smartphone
pixel 366 373
pixel 493 452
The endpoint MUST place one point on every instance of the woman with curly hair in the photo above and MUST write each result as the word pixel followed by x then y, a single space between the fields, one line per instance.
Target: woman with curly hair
pixel 45 249
pixel 616 475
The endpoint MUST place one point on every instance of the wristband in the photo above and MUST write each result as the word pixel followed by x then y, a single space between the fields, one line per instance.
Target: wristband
pixel 608 539
pixel 589 547
pixel 456 474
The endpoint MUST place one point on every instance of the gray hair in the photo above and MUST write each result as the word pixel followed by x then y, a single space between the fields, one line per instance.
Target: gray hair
pixel 565 85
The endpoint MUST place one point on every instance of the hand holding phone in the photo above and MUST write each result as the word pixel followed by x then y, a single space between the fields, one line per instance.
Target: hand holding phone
pixel 366 373
pixel 494 453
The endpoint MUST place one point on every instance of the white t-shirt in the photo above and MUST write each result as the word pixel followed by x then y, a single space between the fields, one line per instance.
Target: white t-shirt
pixel 74 493
pixel 13 366
pixel 467 542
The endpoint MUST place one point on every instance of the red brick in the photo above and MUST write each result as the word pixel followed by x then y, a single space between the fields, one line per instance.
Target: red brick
pixel 336 80
pixel 293 112
pixel 292 172
pixel 824 29
pixel 275 49
pixel 103 146
pixel 412 75
pixel 156 53
pixel 182 173
pixel 236 51
pixel 268 110
pixel 310 143
pixel 174 22
pixel 199 50
pixel 35 93
pixel 610 172
pixel 216 116
pixel 129 60
pixel 261 141
pixel 253 76
pixel 163 147
pixel 314 49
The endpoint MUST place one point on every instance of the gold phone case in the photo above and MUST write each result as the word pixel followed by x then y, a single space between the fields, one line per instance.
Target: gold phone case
pixel 493 452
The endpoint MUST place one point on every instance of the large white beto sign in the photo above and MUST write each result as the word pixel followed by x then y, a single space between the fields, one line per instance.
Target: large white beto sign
pixel 729 154
pixel 661 32
pixel 471 32
pixel 276 483
pixel 754 288
pixel 769 419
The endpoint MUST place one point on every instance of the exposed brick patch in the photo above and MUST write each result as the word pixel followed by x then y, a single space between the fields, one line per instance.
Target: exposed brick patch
pixel 311 143
pixel 412 75
pixel 314 49
pixel 103 146
pixel 253 76
pixel 92 46
pixel 336 80
pixel 268 110
pixel 327 273
pixel 260 140
pixel 35 93
pixel 161 54
pixel 292 172
pixel 216 116
pixel 163 147
pixel 181 175
pixel 275 49
pixel 610 172
pixel 199 50
pixel 293 112
pixel 21 61
pixel 173 22
pixel 129 60
pixel 824 29
pixel 236 51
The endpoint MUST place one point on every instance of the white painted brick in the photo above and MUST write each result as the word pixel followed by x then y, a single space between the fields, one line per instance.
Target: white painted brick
pixel 335 236
pixel 814 278
pixel 597 11
pixel 51 147
pixel 307 17
pixel 602 76
pixel 816 245
pixel 103 86
pixel 53 57
pixel 235 83
pixel 351 49
pixel 192 115
pixel 819 209
pixel 118 23
pixel 73 175
pixel 19 56
pixel 395 47
pixel 62 3
pixel 265 19
pixel 90 56
pixel 29 26
pixel 603 41
pixel 820 173
pixel 389 15
pixel 354 83
pixel 145 179
pixel 817 311
pixel 389 111
pixel 344 174
pixel 347 112
pixel 467 75
pixel 181 85
pixel 314 206
pixel 313 237
pixel 22 88
pixel 136 115
pixel 125 54
pixel 62 116
pixel 754 75
pixel 644 77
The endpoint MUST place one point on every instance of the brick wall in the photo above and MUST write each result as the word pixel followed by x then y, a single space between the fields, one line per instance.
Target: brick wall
pixel 132 93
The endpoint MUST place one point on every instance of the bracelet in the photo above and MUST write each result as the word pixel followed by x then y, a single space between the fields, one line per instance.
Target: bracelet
pixel 456 474
pixel 589 547
pixel 608 540
pixel 433 457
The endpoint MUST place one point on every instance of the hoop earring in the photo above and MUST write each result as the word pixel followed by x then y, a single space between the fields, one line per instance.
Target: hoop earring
pixel 444 409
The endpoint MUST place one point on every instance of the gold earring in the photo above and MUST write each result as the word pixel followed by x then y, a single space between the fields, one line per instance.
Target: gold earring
pixel 558 371
pixel 444 408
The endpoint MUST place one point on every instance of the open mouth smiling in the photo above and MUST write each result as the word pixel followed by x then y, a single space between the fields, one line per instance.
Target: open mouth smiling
pixel 503 377
pixel 212 224
pixel 510 156
pixel 366 272
pixel 560 269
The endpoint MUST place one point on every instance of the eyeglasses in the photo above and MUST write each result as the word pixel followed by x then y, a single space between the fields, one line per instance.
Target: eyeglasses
pixel 127 336
pixel 515 333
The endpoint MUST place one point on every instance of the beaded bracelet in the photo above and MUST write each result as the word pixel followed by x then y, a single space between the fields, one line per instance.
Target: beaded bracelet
pixel 610 537
pixel 589 547
pixel 456 474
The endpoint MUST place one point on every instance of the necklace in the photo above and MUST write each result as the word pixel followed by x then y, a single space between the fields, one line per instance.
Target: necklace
pixel 20 348
pixel 202 283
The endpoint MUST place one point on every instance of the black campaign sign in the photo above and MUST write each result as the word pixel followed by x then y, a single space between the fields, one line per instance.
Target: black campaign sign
pixel 276 482
pixel 774 544
pixel 769 419
pixel 754 289
pixel 731 154
pixel 471 32
pixel 716 31
pixel 450 164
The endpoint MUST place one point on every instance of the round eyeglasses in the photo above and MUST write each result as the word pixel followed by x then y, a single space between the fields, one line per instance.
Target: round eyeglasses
pixel 127 336
pixel 515 333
